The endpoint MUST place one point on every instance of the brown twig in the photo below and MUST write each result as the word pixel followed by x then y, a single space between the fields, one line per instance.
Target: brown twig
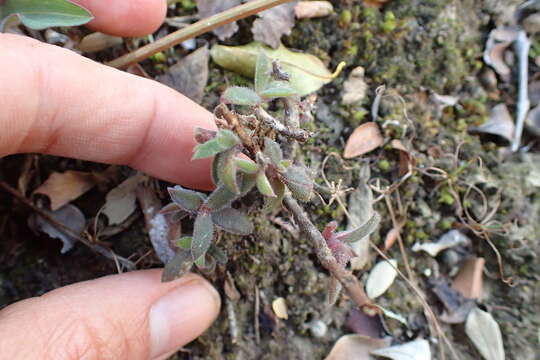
pixel 328 261
pixel 66 229
pixel 232 119
pixel 298 134
pixel 196 29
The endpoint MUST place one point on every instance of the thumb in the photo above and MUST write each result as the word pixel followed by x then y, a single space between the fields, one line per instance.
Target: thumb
pixel 128 316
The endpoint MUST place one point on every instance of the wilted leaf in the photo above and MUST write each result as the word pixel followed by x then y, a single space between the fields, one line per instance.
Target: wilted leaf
pixel 498 42
pixel 355 88
pixel 203 234
pixel 381 278
pixel 456 307
pixel 278 89
pixel 485 334
pixel 280 308
pixel 189 200
pixel 98 41
pixel 263 184
pixel 448 240
pixel 355 347
pixel 307 73
pixel 120 202
pixel 469 280
pixel 361 232
pixel 190 75
pixel 238 95
pixel 233 221
pixel 263 71
pixel 180 264
pixel 299 182
pixel 247 166
pixel 274 23
pixel 220 198
pixel 208 8
pixel 499 123
pixel 272 150
pixel 68 215
pixel 272 203
pixel 313 9
pixel 414 350
pixel 365 138
pixel 61 188
pixel 41 14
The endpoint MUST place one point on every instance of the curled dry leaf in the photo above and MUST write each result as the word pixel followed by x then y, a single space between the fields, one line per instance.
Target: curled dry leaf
pixel 364 324
pixel 313 9
pixel 406 160
pixel 208 8
pixel 448 240
pixel 355 347
pixel 280 308
pixel 498 42
pixel 273 23
pixel 456 307
pixel 190 75
pixel 417 350
pixel 97 41
pixel 485 334
pixel 61 188
pixel 469 278
pixel 355 88
pixel 533 121
pixel 499 123
pixel 364 139
pixel 380 278
pixel 120 202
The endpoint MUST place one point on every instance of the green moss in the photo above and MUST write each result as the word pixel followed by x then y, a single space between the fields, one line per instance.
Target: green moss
pixel 345 18
pixel 389 24
pixel 384 165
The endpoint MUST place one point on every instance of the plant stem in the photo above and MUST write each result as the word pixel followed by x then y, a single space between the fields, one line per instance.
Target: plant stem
pixel 345 277
pixel 196 29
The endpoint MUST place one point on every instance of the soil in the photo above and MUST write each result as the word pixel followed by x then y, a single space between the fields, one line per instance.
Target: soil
pixel 414 48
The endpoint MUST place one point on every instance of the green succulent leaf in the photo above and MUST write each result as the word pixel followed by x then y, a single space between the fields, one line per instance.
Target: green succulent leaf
pixel 228 172
pixel 218 254
pixel 41 14
pixel 271 203
pixel 299 182
pixel 178 266
pixel 238 95
pixel 364 230
pixel 184 242
pixel 246 166
pixel 263 70
pixel 233 221
pixel 203 234
pixel 188 200
pixel 227 139
pixel 272 150
pixel 278 89
pixel 248 183
pixel 220 198
pixel 264 186
pixel 224 140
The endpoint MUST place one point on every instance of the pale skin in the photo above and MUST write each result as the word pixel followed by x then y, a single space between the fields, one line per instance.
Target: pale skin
pixel 54 101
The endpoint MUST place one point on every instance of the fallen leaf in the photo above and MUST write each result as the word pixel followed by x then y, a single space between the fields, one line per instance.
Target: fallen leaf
pixel 313 9
pixel 273 23
pixel 468 281
pixel 61 188
pixel 499 123
pixel 485 334
pixel 280 308
pixel 456 307
pixel 190 75
pixel 448 240
pixel 391 237
pixel 120 202
pixel 406 161
pixel 355 347
pixel 499 40
pixel 307 73
pixel 365 325
pixel 414 350
pixel 365 138
pixel 533 121
pixel 68 215
pixel 355 88
pixel 208 8
pixel 381 278
pixel 97 41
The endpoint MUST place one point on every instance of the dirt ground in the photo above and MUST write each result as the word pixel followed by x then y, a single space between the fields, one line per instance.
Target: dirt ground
pixel 415 48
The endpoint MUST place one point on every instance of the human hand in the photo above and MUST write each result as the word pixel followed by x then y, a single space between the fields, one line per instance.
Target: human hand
pixel 54 101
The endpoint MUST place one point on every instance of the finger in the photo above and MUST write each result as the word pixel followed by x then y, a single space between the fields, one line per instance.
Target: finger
pixel 125 18
pixel 56 102
pixel 128 316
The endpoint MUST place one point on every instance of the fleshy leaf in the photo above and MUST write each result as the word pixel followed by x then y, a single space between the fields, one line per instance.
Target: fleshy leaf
pixel 203 234
pixel 228 171
pixel 184 242
pixel 224 140
pixel 298 181
pixel 262 72
pixel 233 221
pixel 221 197
pixel 188 200
pixel 246 166
pixel 227 139
pixel 41 14
pixel 238 95
pixel 206 263
pixel 179 265
pixel 278 89
pixel 248 182
pixel 271 203
pixel 264 186
pixel 272 150
pixel 364 230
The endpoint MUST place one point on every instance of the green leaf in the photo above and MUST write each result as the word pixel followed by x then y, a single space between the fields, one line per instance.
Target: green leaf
pixel 263 72
pixel 233 221
pixel 184 242
pixel 271 203
pixel 227 139
pixel 308 73
pixel 272 150
pixel 220 198
pixel 246 166
pixel 203 234
pixel 41 14
pixel 264 186
pixel 299 182
pixel 238 95
pixel 248 182
pixel 224 140
pixel 364 230
pixel 206 263
pixel 218 254
pixel 278 89
pixel 228 172
pixel 179 265
pixel 188 200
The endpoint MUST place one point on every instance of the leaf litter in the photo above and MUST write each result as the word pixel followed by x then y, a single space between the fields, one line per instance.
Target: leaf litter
pixel 380 278
pixel 120 202
pixel 355 347
pixel 273 23
pixel 485 334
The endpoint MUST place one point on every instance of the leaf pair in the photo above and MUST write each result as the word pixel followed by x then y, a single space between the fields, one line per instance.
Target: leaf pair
pixel 223 141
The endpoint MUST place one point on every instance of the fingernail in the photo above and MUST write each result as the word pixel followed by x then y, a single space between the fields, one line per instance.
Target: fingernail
pixel 181 315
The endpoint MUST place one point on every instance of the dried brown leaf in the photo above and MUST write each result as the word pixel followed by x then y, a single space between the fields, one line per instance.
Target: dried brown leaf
pixel 313 9
pixel 97 41
pixel 364 139
pixel 120 202
pixel 355 347
pixel 499 123
pixel 61 188
pixel 469 280
pixel 498 42
pixel 406 160
pixel 375 3
pixel 273 23
pixel 208 8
